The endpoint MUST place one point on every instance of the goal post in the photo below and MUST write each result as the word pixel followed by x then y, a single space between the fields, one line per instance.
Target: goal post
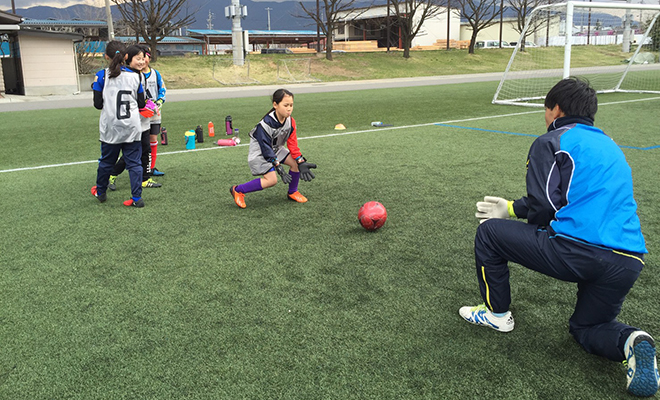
pixel 587 40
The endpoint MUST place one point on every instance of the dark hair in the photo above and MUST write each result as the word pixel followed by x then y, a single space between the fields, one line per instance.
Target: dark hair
pixel 115 50
pixel 146 50
pixel 278 96
pixel 132 51
pixel 574 96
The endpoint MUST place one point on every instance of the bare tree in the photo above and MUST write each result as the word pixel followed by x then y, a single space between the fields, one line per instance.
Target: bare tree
pixel 154 19
pixel 87 49
pixel 411 15
pixel 522 9
pixel 480 14
pixel 329 17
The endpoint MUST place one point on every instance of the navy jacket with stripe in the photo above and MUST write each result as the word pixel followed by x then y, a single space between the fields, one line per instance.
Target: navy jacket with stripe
pixel 579 184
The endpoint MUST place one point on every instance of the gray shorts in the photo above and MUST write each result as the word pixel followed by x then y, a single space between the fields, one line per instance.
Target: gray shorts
pixel 258 164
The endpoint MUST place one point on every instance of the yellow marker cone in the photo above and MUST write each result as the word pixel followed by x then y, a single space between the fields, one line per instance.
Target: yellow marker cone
pixel 339 127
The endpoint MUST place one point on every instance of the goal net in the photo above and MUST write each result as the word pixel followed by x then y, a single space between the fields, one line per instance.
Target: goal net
pixel 226 73
pixel 613 45
pixel 295 70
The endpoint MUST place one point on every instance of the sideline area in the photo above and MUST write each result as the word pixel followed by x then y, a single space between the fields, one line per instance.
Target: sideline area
pixel 84 99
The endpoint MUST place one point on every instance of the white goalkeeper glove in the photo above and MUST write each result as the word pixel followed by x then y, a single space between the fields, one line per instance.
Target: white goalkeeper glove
pixel 494 207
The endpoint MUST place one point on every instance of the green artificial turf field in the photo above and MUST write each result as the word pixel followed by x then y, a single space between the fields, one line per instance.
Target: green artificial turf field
pixel 193 298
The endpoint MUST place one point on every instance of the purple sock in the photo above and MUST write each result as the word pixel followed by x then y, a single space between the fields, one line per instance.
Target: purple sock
pixel 295 178
pixel 252 186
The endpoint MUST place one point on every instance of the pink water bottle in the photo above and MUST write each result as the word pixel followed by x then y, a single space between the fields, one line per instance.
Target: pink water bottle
pixel 163 136
pixel 228 126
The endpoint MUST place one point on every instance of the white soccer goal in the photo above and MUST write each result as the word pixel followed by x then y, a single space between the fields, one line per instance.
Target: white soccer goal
pixel 587 40
pixel 226 72
pixel 295 70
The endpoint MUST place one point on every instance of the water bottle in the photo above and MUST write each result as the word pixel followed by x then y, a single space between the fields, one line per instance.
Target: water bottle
pixel 199 133
pixel 228 126
pixel 163 136
pixel 236 138
pixel 211 130
pixel 190 140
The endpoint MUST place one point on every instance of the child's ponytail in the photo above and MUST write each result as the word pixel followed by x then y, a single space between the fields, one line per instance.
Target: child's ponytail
pixel 116 51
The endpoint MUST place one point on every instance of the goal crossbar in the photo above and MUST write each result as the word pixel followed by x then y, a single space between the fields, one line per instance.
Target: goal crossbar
pixel 569 9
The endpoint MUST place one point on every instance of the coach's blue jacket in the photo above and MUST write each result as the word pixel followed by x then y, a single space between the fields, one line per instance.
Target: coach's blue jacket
pixel 579 184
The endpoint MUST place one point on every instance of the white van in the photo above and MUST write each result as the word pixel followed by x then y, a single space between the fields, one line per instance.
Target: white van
pixel 491 44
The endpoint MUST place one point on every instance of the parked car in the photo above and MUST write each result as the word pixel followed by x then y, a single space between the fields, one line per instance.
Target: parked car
pixel 527 44
pixel 491 44
pixel 276 51
pixel 176 52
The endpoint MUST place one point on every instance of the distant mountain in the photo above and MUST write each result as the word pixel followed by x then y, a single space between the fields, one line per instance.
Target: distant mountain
pixel 281 14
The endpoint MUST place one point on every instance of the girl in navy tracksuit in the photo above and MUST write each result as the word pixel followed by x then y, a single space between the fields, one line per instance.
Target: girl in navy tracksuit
pixel 274 142
pixel 118 93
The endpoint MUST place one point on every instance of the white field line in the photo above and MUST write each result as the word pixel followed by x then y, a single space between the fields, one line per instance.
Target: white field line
pixel 326 136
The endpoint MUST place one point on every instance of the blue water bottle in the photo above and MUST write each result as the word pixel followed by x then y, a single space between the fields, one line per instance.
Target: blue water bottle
pixel 190 140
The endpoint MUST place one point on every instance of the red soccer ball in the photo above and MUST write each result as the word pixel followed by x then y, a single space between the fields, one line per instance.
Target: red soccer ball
pixel 372 215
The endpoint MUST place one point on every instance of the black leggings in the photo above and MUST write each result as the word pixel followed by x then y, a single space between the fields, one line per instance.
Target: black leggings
pixel 120 166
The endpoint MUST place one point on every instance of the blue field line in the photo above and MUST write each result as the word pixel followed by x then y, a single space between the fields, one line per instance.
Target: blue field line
pixel 640 148
pixel 529 134
pixel 487 130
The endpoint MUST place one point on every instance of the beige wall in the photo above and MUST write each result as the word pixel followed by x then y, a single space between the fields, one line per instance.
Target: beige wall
pixel 492 32
pixel 509 34
pixel 434 28
pixel 49 65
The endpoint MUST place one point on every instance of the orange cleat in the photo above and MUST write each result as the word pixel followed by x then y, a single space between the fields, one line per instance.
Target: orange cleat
pixel 239 198
pixel 132 203
pixel 296 196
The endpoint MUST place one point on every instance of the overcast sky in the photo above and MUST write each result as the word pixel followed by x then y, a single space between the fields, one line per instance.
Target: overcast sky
pixel 6 4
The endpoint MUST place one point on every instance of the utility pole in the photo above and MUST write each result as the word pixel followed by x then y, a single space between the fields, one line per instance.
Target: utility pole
pixel 268 10
pixel 209 21
pixel 108 16
pixel 627 31
pixel 236 12
pixel 501 20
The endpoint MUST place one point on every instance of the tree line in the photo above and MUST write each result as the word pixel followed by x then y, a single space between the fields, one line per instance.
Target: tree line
pixel 153 20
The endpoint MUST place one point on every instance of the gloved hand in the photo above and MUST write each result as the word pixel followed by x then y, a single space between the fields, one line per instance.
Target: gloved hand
pixel 146 112
pixel 159 105
pixel 493 207
pixel 305 172
pixel 152 106
pixel 286 178
pixel 149 109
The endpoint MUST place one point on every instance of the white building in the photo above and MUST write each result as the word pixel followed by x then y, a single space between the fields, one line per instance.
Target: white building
pixel 371 25
pixel 35 62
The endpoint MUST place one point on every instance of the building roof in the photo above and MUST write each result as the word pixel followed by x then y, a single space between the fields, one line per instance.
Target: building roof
pixel 9 21
pixel 165 40
pixel 363 13
pixel 64 23
pixel 213 36
pixel 214 32
pixel 76 37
